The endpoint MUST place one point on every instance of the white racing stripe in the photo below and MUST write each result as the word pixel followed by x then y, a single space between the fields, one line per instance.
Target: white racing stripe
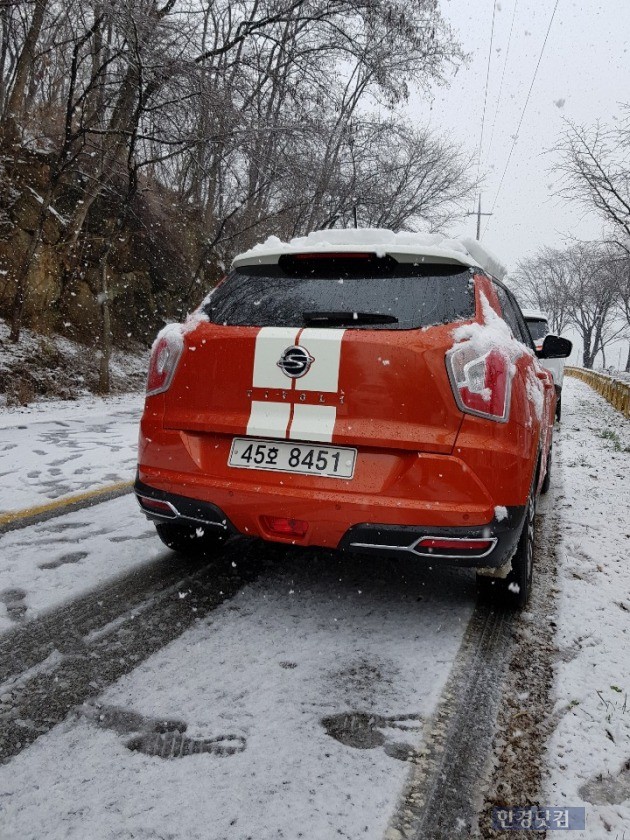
pixel 310 422
pixel 325 347
pixel 269 419
pixel 271 342
pixel 313 422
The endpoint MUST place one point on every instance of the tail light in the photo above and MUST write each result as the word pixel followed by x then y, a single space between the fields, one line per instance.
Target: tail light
pixel 481 382
pixel 165 355
pixel 285 527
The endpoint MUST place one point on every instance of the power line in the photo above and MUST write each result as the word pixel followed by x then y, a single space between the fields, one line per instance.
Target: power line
pixel 520 122
pixel 485 97
pixel 507 55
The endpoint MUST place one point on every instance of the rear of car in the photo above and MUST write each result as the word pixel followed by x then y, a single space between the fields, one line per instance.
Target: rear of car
pixel 538 326
pixel 357 398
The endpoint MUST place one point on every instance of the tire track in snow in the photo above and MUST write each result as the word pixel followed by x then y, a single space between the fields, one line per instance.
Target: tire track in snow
pixel 59 661
pixel 526 719
pixel 31 643
pixel 442 792
pixel 444 795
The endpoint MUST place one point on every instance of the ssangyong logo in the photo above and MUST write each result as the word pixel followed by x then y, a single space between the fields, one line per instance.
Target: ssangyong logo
pixel 295 362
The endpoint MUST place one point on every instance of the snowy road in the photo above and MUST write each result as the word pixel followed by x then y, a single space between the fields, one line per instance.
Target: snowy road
pixel 270 667
pixel 58 449
pixel 52 562
pixel 277 693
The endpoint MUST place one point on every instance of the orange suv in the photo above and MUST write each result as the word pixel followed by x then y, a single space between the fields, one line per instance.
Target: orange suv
pixel 360 390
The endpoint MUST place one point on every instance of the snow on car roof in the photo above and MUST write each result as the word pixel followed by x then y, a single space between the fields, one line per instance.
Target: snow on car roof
pixel 534 314
pixel 404 246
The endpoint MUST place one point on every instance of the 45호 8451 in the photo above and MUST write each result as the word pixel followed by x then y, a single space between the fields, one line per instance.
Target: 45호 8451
pixel 332 461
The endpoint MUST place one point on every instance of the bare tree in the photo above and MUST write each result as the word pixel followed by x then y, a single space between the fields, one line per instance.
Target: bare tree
pixel 578 287
pixel 618 267
pixel 72 138
pixel 595 162
pixel 591 298
pixel 23 68
pixel 240 117
pixel 544 283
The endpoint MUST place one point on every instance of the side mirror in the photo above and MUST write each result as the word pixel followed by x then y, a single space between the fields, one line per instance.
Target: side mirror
pixel 555 347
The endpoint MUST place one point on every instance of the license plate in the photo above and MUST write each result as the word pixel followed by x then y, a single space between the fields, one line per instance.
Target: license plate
pixel 329 461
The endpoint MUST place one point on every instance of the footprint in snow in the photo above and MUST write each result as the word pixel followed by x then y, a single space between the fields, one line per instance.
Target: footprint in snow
pixel 126 538
pixel 13 599
pixel 58 527
pixel 163 738
pixel 366 731
pixel 73 557
pixel 608 790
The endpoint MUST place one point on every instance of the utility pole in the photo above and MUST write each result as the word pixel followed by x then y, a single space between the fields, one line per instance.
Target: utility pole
pixel 478 214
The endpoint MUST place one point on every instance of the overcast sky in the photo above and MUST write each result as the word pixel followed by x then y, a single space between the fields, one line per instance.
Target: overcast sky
pixel 584 75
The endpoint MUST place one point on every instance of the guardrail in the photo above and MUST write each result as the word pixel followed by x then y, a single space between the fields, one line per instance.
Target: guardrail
pixel 614 390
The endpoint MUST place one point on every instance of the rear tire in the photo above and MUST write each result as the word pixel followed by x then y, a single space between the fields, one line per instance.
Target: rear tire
pixel 512 592
pixel 192 540
pixel 547 479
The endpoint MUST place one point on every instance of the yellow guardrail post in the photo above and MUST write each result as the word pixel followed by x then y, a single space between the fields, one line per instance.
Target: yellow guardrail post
pixel 616 392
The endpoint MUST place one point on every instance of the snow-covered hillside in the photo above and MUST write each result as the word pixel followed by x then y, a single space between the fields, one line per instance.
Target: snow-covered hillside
pixel 52 367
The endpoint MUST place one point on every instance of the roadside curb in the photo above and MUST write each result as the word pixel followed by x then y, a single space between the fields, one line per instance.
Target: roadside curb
pixel 40 513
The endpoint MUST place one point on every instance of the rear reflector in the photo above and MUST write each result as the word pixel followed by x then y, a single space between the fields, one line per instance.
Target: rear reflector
pixel 157 506
pixel 284 527
pixel 435 542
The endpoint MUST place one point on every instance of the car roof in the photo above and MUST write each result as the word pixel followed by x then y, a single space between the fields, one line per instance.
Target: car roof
pixel 534 315
pixel 407 247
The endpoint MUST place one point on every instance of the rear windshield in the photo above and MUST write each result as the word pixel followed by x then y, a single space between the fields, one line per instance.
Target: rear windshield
pixel 361 293
pixel 538 328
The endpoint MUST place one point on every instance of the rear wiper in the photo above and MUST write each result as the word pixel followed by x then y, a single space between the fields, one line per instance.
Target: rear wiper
pixel 316 318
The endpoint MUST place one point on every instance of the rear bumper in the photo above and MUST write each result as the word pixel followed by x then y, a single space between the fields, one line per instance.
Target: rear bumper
pixel 406 541
pixel 386 540
pixel 181 509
